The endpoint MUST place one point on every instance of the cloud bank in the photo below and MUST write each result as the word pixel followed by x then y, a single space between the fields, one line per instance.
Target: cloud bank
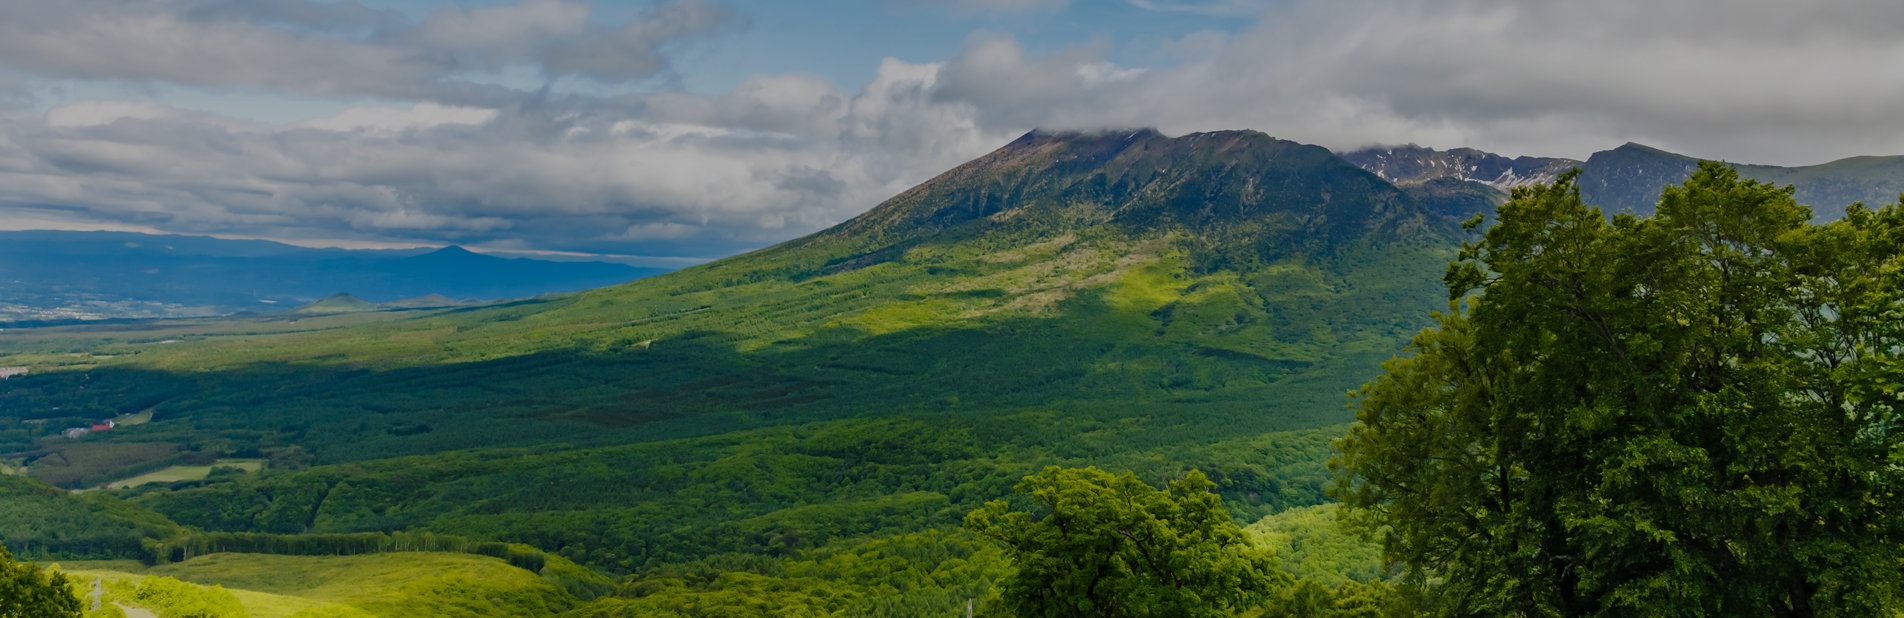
pixel 671 173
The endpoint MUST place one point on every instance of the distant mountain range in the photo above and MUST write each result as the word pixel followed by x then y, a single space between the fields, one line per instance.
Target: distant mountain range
pixel 1411 164
pixel 1628 178
pixel 54 275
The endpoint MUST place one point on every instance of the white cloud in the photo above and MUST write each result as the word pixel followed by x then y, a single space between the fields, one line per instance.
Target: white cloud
pixel 509 32
pixel 1760 80
pixel 311 48
pixel 393 120
pixel 670 172
pixel 93 113
pixel 970 7
pixel 1220 8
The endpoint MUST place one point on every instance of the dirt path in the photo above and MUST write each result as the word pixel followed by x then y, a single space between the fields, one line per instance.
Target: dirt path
pixel 136 612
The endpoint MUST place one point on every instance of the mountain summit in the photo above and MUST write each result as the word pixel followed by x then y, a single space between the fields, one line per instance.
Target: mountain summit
pixel 1241 195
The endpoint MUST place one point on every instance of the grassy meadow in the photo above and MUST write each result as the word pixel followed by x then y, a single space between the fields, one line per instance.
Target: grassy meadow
pixel 380 585
pixel 187 473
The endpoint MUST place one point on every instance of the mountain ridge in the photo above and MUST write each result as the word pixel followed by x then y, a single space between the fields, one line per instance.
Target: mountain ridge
pixel 58 275
pixel 1410 164
pixel 1629 177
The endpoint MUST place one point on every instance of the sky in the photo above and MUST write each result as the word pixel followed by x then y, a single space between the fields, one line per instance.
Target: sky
pixel 672 132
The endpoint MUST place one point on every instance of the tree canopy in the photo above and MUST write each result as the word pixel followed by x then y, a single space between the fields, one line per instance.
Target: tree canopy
pixel 27 591
pixel 1111 546
pixel 1689 414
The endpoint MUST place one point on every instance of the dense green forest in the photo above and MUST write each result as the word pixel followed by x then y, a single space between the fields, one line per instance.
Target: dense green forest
pixel 768 491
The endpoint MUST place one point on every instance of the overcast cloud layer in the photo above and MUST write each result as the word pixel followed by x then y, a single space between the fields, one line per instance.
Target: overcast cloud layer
pixel 464 160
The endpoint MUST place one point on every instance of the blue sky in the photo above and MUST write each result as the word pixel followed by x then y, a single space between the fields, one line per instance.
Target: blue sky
pixel 684 130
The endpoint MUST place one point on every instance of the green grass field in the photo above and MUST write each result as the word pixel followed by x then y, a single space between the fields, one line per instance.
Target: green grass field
pixel 396 585
pixel 257 604
pixel 185 473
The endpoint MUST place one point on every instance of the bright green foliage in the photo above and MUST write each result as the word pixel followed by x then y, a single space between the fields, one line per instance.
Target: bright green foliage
pixel 1111 546
pixel 927 574
pixel 397 584
pixel 333 611
pixel 27 591
pixel 1692 414
pixel 1311 545
pixel 773 491
pixel 106 610
pixel 1312 599
pixel 48 523
pixel 171 598
pixel 728 595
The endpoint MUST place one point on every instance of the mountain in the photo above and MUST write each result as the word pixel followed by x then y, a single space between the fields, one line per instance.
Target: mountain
pixel 1459 182
pixel 1631 177
pixel 430 301
pixel 1627 178
pixel 51 275
pixel 341 302
pixel 1412 164
pixel 1226 271
pixel 1126 300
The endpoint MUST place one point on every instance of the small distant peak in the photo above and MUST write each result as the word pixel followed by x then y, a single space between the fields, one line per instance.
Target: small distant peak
pixel 424 302
pixel 341 302
pixel 452 250
pixel 1643 148
pixel 1635 148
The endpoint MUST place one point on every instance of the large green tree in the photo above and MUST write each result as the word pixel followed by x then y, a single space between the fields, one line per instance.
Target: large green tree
pixel 27 591
pixel 1113 547
pixel 1689 414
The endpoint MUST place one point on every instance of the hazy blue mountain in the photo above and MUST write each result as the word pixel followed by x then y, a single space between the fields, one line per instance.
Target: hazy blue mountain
pixel 340 302
pixel 1631 177
pixel 66 275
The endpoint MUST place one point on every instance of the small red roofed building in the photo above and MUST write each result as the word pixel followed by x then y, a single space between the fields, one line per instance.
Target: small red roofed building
pixel 105 425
